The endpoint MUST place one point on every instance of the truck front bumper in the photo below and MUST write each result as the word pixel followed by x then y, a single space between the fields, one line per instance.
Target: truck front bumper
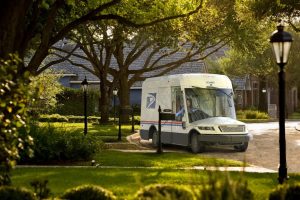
pixel 225 139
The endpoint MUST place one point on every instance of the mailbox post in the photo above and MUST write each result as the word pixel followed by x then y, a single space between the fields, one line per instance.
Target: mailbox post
pixel 162 116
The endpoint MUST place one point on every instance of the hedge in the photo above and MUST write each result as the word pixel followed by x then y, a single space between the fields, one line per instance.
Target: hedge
pixel 53 145
pixel 70 102
pixel 88 192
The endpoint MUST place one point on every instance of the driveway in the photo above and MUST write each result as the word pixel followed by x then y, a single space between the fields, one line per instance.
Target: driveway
pixel 263 150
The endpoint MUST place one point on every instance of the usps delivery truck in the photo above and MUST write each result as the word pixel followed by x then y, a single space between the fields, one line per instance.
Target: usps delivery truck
pixel 203 107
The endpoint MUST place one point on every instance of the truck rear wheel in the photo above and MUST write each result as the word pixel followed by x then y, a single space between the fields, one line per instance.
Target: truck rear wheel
pixel 196 145
pixel 241 148
pixel 154 138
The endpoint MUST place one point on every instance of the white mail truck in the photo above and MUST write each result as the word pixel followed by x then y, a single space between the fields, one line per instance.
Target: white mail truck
pixel 204 112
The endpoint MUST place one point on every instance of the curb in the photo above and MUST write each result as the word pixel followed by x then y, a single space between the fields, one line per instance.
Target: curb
pixel 251 169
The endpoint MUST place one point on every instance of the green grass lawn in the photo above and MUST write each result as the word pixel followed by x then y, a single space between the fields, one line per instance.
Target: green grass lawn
pixel 108 133
pixel 124 183
pixel 165 160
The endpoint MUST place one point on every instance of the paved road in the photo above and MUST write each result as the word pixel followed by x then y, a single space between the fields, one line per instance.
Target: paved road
pixel 263 150
pixel 262 128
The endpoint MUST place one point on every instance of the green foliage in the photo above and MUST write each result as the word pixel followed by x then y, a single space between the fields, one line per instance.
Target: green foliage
pixel 70 102
pixel 286 192
pixel 45 87
pixel 251 114
pixel 67 118
pixel 16 193
pixel 14 98
pixel 223 188
pixel 61 145
pixel 40 188
pixel 88 192
pixel 53 118
pixel 163 192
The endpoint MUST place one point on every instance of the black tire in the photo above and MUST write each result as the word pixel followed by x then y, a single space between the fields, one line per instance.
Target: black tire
pixel 195 144
pixel 154 138
pixel 241 148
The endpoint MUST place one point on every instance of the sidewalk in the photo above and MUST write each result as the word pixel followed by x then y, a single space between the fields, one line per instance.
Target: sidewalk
pixel 251 169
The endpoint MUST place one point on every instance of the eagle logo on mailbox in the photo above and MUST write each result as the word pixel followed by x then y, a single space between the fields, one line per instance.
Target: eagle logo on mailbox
pixel 151 100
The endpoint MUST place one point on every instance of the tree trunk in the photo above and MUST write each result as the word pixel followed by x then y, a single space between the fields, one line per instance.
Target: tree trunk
pixel 124 97
pixel 104 103
pixel 12 26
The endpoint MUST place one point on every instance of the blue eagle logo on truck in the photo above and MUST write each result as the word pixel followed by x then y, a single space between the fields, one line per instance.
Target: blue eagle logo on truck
pixel 151 100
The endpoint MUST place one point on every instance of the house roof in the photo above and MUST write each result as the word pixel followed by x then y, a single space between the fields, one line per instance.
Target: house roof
pixel 77 74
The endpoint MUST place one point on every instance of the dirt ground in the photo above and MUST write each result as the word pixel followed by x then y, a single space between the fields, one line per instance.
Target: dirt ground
pixel 262 151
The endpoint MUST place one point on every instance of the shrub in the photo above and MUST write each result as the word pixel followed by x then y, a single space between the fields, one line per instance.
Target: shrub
pixel 70 102
pixel 285 192
pixel 252 114
pixel 40 188
pixel 53 118
pixel 48 86
pixel 222 188
pixel 9 193
pixel 88 192
pixel 67 118
pixel 52 144
pixel 14 101
pixel 163 192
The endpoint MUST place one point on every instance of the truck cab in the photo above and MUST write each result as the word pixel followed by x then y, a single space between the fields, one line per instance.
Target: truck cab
pixel 203 107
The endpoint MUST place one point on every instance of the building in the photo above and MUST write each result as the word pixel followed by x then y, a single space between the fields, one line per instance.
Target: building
pixel 247 89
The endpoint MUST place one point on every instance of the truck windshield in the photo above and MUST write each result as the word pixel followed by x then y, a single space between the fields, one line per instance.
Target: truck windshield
pixel 209 102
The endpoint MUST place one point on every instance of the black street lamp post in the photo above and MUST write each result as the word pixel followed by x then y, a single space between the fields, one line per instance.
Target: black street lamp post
pixel 115 92
pixel 281 42
pixel 84 85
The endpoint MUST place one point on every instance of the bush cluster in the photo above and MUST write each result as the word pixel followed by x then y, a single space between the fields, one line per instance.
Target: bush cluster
pixel 88 192
pixel 252 114
pixel 14 100
pixel 223 189
pixel 286 192
pixel 16 193
pixel 163 192
pixel 76 119
pixel 52 145
pixel 70 102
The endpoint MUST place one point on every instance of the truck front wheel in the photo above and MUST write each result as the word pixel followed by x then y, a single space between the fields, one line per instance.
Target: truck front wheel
pixel 196 145
pixel 241 148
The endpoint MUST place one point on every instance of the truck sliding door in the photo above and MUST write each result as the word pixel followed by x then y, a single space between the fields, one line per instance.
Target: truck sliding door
pixel 179 132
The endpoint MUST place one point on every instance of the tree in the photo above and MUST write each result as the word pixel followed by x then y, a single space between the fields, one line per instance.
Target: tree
pixel 260 63
pixel 37 25
pixel 46 87
pixel 193 39
pixel 288 10
pixel 31 27
pixel 15 96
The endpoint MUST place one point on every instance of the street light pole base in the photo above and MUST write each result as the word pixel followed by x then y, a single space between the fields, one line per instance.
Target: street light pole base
pixel 282 174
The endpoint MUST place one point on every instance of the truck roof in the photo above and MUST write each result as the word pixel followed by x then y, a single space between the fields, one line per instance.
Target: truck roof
pixel 187 80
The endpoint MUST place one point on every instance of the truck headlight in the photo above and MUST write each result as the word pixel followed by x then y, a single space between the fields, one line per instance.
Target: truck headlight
pixel 206 128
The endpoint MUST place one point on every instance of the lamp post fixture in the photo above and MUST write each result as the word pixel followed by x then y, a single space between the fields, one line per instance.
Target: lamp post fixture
pixel 84 85
pixel 281 43
pixel 115 92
